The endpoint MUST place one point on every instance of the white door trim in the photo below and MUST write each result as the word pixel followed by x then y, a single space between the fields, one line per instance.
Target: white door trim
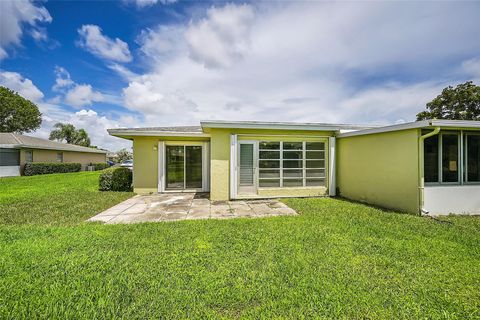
pixel 233 166
pixel 205 164
pixel 331 172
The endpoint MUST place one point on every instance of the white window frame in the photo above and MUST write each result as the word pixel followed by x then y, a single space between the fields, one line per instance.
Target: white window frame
pixel 30 152
pixel 304 168
pixel 162 165
pixel 462 159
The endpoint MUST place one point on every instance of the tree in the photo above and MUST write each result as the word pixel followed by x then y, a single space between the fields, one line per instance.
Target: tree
pixel 459 103
pixel 68 132
pixel 123 155
pixel 17 114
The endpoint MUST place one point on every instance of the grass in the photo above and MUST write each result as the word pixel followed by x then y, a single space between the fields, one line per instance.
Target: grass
pixel 337 259
pixel 54 199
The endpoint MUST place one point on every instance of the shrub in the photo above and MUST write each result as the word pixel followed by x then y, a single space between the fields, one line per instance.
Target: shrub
pixel 34 168
pixel 99 165
pixel 115 179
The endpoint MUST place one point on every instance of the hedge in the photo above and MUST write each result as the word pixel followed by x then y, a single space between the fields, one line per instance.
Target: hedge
pixel 115 179
pixel 99 165
pixel 34 168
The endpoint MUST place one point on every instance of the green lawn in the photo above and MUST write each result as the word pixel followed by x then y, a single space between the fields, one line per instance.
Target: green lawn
pixel 54 199
pixel 336 260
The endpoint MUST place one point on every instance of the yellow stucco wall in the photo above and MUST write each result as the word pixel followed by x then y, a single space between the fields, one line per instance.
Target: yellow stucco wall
pixel 380 169
pixel 145 161
pixel 220 159
pixel 42 155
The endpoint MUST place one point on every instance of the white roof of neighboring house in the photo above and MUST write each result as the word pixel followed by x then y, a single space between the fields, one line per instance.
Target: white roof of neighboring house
pixel 452 124
pixel 13 140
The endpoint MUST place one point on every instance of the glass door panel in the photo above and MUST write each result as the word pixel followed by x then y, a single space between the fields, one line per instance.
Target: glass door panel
pixel 193 167
pixel 175 165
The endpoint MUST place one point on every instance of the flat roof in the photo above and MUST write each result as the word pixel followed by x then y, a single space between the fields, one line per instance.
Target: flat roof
pixel 452 124
pixel 313 126
pixel 159 131
pixel 13 140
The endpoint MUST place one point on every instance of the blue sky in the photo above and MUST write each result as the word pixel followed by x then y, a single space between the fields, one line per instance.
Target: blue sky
pixel 105 64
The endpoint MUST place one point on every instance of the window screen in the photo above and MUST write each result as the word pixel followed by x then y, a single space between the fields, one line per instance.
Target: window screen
pixel 291 164
pixel 9 157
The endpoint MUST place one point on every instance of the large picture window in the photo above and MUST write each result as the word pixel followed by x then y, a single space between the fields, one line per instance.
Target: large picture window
pixel 291 164
pixel 442 158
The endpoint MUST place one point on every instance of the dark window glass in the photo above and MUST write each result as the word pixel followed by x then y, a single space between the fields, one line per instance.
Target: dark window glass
pixel 450 157
pixel 316 173
pixel 269 145
pixel 269 173
pixel 292 163
pixel 292 182
pixel 269 164
pixel 315 154
pixel 270 183
pixel 315 182
pixel 193 167
pixel 9 157
pixel 269 154
pixel 292 154
pixel 28 156
pixel 430 155
pixel 292 173
pixel 315 146
pixel 315 163
pixel 292 145
pixel 473 158
pixel 175 157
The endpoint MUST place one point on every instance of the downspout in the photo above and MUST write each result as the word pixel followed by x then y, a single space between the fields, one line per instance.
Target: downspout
pixel 421 160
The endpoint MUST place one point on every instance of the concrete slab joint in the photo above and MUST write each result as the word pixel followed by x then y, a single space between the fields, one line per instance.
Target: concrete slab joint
pixel 187 206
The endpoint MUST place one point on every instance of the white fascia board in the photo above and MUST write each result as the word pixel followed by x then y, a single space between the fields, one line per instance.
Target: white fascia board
pixel 415 125
pixel 120 133
pixel 396 127
pixel 10 146
pixel 279 125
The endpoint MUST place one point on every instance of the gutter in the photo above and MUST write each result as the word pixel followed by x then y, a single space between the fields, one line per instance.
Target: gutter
pixel 421 161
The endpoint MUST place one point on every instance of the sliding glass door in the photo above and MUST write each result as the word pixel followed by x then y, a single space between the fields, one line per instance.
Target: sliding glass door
pixel 183 167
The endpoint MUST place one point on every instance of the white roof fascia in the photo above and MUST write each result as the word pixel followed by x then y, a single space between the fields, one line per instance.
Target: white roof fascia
pixel 415 125
pixel 120 132
pixel 396 127
pixel 278 125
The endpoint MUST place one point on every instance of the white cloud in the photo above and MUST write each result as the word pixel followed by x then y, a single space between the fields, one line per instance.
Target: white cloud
pixel 15 14
pixel 62 79
pixel 222 37
pixel 325 62
pixel 148 3
pixel 96 125
pixel 24 87
pixel 82 95
pixel 92 39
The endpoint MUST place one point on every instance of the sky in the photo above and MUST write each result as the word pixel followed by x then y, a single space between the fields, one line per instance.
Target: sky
pixel 137 63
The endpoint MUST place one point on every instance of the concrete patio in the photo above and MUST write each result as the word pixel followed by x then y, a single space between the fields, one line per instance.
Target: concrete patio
pixel 187 206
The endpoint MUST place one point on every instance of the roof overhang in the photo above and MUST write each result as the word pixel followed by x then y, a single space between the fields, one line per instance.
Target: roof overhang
pixel 26 146
pixel 130 133
pixel 214 124
pixel 450 124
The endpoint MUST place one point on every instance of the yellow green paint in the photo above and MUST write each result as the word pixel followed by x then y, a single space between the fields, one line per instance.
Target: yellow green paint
pixel 380 169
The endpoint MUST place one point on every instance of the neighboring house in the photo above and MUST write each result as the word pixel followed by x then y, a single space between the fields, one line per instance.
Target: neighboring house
pixel 420 167
pixel 16 150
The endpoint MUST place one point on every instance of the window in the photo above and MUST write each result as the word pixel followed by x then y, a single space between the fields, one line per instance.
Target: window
pixel 291 164
pixel 442 161
pixel 59 156
pixel 9 157
pixel 28 156
pixel 472 158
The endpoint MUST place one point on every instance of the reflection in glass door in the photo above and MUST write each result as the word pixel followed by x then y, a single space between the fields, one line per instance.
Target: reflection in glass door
pixel 183 167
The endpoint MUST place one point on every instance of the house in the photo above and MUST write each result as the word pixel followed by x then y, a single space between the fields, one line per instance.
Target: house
pixel 420 167
pixel 16 150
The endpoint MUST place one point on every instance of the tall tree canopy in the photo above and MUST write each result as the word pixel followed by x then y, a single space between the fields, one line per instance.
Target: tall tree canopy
pixel 17 114
pixel 123 155
pixel 459 103
pixel 67 132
